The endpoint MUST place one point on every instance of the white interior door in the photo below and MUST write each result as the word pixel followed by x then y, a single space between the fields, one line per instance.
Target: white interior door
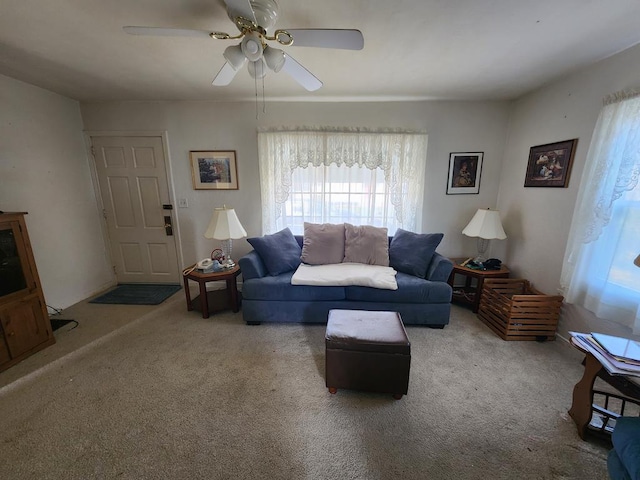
pixel 133 185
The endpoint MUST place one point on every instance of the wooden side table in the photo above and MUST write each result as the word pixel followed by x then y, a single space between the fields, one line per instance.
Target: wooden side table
pixel 584 407
pixel 470 294
pixel 202 279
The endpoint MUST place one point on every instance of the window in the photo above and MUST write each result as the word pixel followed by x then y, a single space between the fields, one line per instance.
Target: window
pixel 599 271
pixel 336 176
pixel 333 194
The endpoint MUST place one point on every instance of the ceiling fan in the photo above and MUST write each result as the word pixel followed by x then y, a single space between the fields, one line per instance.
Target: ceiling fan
pixel 254 18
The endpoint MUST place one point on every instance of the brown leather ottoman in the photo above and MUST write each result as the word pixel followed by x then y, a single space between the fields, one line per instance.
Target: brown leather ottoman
pixel 367 351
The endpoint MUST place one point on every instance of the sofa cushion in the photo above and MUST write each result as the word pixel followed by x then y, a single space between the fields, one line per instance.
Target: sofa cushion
pixel 366 244
pixel 411 252
pixel 280 288
pixel 323 243
pixel 626 442
pixel 279 252
pixel 411 289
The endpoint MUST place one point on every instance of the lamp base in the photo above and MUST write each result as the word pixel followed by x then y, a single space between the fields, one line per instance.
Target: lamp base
pixel 227 246
pixel 482 245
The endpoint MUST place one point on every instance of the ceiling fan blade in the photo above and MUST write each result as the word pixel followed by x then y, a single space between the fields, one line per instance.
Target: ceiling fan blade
pixel 240 8
pixel 225 75
pixel 300 74
pixel 170 32
pixel 327 38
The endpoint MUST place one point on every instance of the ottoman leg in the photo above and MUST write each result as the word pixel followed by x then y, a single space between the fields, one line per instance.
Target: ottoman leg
pixel 333 390
pixel 397 396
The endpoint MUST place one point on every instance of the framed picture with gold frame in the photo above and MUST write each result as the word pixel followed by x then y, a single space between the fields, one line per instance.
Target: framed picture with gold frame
pixel 214 169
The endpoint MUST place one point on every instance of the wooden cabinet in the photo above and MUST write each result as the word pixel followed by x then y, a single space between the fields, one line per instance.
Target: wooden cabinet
pixel 24 322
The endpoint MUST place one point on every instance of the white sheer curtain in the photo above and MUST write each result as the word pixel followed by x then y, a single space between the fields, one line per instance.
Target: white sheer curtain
pixel 598 271
pixel 344 163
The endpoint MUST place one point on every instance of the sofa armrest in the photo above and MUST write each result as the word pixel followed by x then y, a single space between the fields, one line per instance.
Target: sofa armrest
pixel 252 266
pixel 439 269
pixel 626 443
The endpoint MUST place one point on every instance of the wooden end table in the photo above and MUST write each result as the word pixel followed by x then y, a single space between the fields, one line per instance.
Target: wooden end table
pixel 202 278
pixel 470 294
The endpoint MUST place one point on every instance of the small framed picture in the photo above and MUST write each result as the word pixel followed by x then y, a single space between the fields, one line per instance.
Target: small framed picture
pixel 464 172
pixel 214 170
pixel 550 165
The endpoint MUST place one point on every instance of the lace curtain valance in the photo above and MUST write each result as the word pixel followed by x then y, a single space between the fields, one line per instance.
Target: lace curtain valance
pixel 401 155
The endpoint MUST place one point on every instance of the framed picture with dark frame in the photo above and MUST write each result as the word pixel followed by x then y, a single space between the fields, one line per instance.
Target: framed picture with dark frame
pixel 549 165
pixel 214 170
pixel 464 172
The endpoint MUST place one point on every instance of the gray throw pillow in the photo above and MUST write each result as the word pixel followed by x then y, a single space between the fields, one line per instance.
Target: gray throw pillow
pixel 366 244
pixel 412 252
pixel 279 252
pixel 323 243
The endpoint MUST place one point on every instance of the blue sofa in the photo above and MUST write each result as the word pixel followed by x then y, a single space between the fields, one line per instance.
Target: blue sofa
pixel 623 462
pixel 272 298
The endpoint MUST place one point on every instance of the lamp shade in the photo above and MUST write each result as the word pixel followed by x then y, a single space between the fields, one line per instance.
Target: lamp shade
pixel 235 57
pixel 225 225
pixel 636 262
pixel 257 69
pixel 485 224
pixel 274 57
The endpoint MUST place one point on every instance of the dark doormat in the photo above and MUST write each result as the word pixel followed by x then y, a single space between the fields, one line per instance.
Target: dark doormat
pixel 137 294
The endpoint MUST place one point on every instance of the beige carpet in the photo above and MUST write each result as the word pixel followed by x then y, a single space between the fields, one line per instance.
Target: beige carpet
pixel 175 396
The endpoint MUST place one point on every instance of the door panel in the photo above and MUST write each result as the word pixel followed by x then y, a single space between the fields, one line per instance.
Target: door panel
pixel 133 186
pixel 149 200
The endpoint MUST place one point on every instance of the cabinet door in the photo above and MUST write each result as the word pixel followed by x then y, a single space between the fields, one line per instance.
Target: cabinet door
pixel 4 351
pixel 23 325
pixel 15 271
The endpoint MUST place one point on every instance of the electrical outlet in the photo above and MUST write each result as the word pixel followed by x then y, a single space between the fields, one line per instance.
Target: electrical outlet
pixel 183 203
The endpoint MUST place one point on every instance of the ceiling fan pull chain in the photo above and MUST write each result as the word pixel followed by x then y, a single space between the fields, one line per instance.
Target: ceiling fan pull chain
pixel 264 104
pixel 255 82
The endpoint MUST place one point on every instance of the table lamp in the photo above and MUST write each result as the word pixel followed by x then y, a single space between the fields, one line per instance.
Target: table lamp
pixel 485 225
pixel 225 226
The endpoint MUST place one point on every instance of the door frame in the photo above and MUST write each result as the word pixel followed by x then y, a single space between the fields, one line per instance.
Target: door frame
pixel 163 134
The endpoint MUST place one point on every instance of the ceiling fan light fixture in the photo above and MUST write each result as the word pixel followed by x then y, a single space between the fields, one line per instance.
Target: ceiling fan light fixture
pixel 257 69
pixel 274 57
pixel 235 56
pixel 252 46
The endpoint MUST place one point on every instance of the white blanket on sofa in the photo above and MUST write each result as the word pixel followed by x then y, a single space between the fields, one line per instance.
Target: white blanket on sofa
pixel 344 274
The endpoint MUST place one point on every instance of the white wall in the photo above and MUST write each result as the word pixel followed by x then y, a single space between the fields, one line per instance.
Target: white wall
pixel 42 157
pixel 537 220
pixel 451 126
pixel 44 171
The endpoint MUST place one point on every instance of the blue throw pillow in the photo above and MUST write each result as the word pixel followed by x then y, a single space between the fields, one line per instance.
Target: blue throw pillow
pixel 412 252
pixel 279 252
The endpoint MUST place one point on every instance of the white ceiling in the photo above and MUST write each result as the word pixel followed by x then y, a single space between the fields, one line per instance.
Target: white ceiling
pixel 413 49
